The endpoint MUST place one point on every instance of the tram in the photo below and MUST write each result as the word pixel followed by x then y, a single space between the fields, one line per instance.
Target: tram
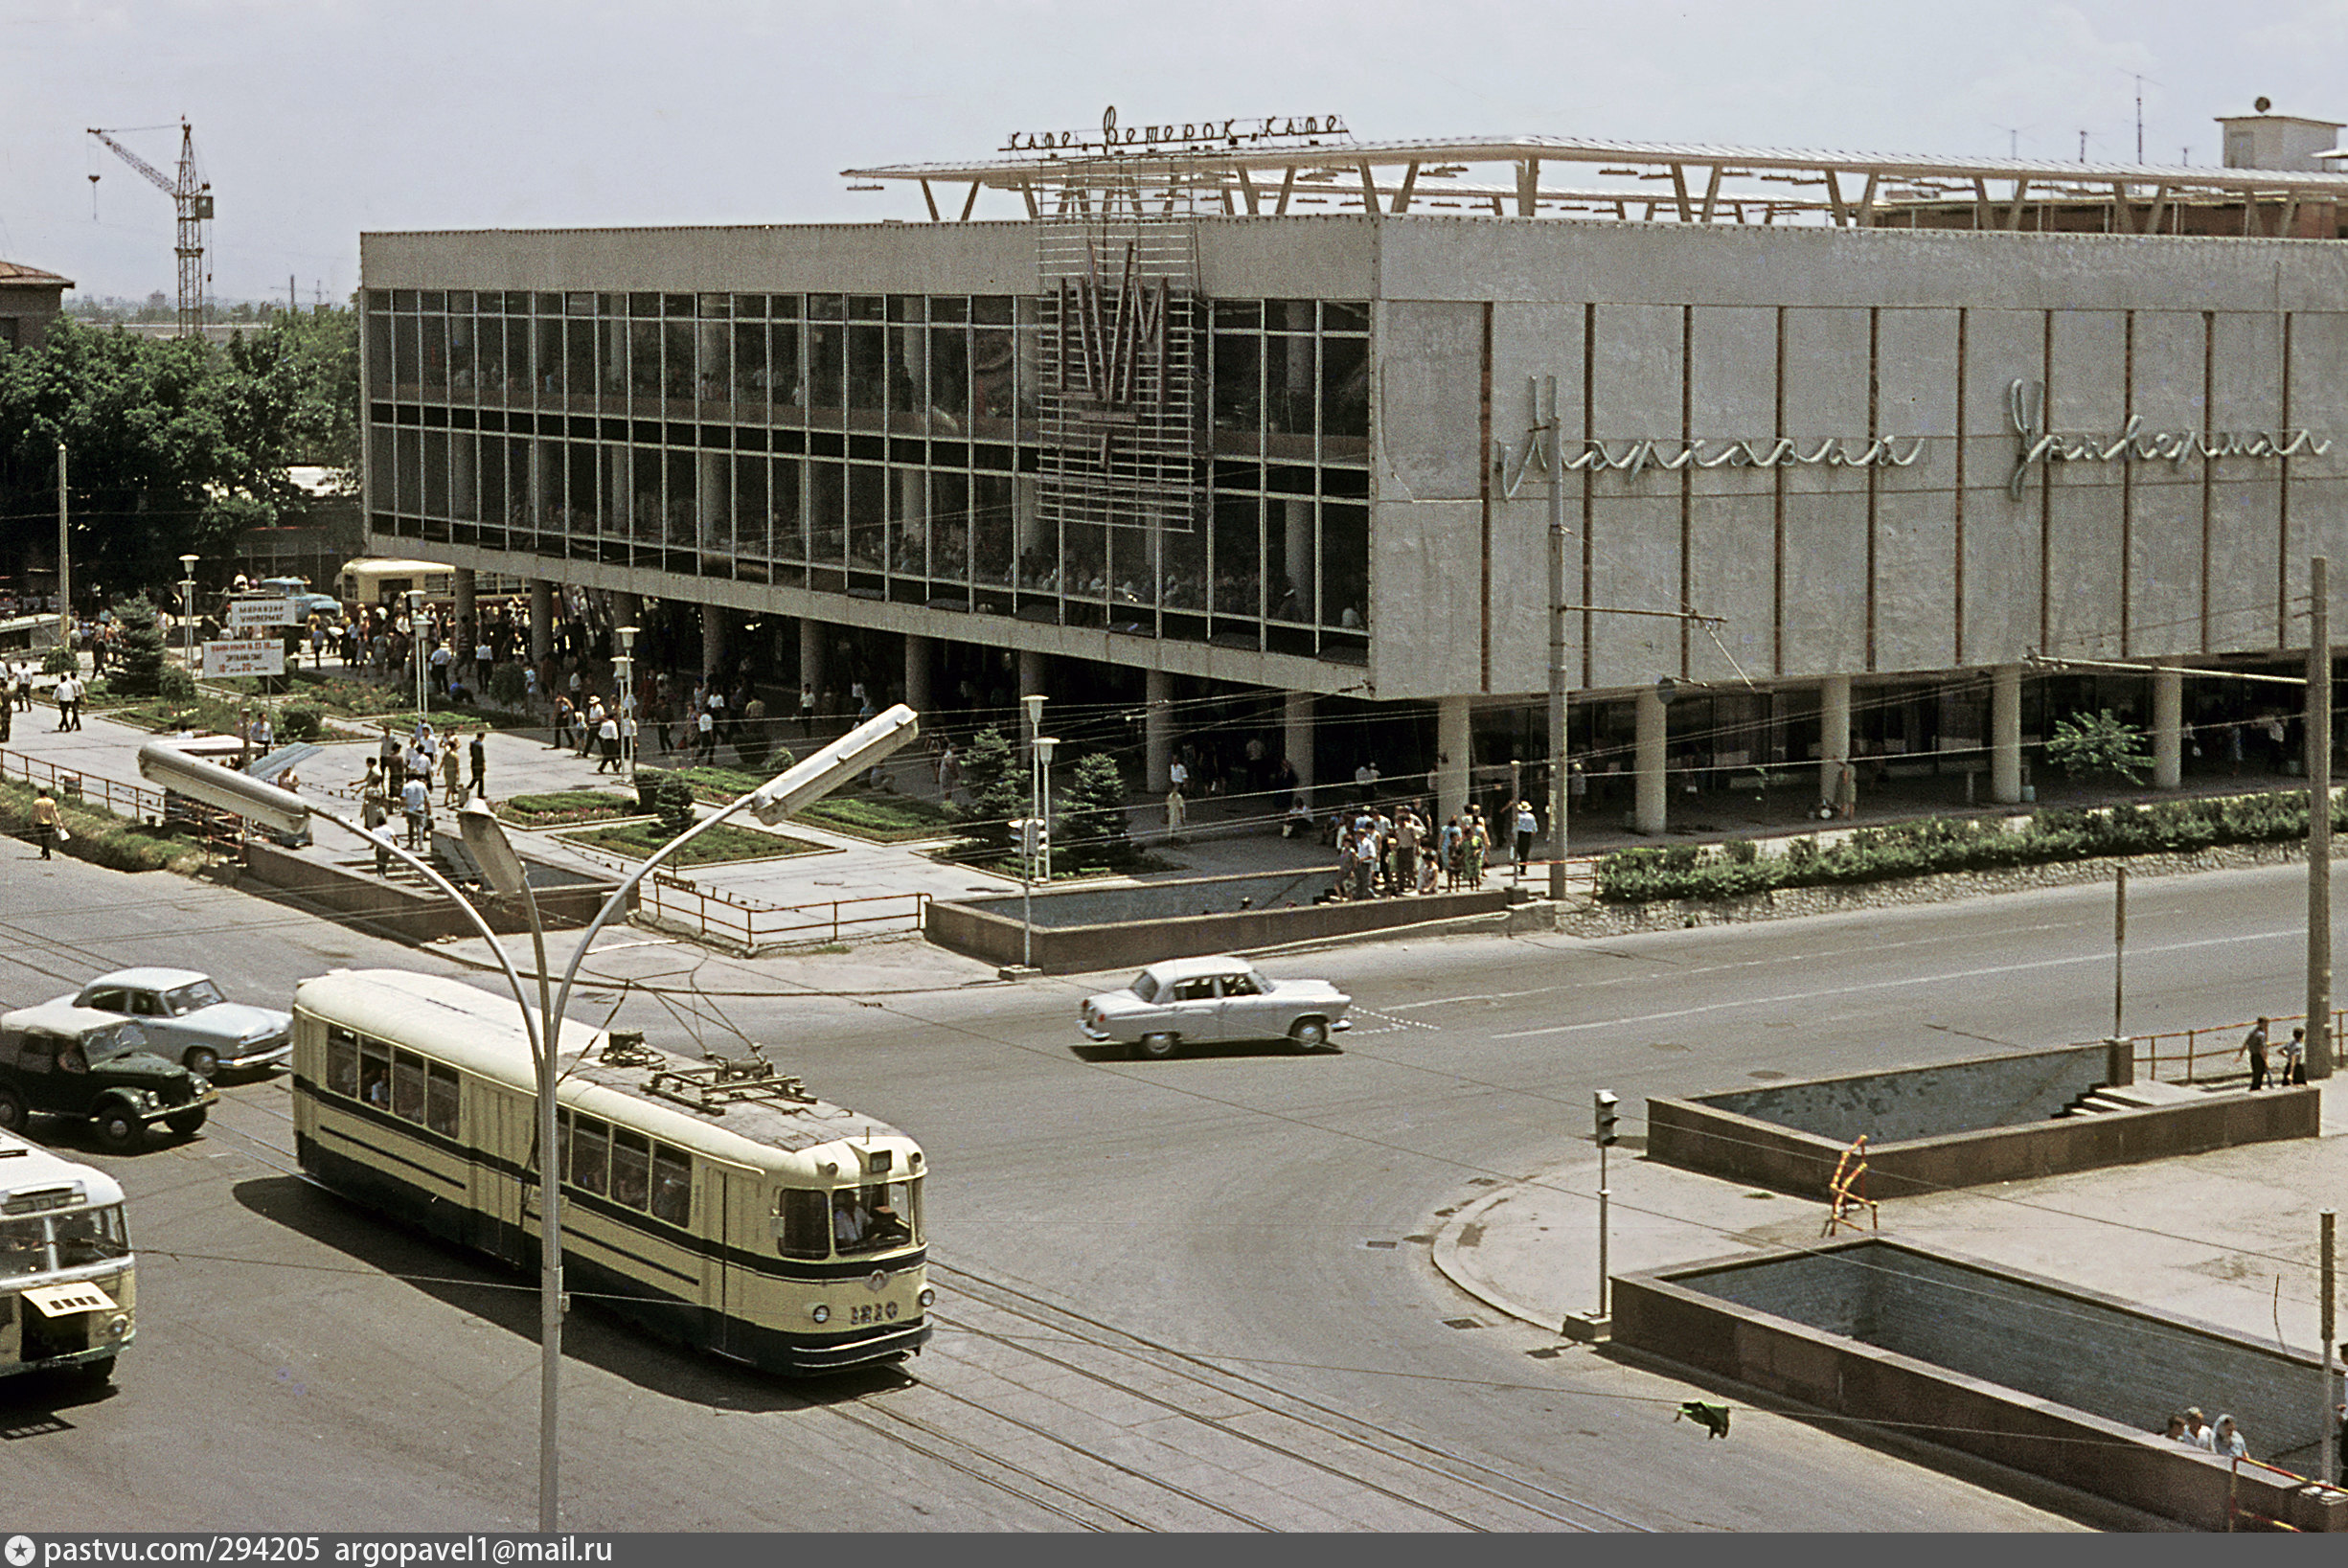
pixel 68 1280
pixel 714 1202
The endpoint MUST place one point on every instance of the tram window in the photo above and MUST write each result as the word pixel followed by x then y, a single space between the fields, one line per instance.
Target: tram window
pixel 672 1186
pixel 407 1086
pixel 342 1062
pixel 591 1155
pixel 872 1219
pixel 631 1170
pixel 803 1224
pixel 374 1073
pixel 24 1247
pixel 441 1098
pixel 90 1235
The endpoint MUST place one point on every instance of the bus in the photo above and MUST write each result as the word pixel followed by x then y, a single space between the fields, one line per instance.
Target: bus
pixel 68 1287
pixel 714 1202
pixel 376 582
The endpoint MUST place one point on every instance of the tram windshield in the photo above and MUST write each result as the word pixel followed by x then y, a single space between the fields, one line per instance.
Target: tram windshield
pixel 44 1243
pixel 853 1221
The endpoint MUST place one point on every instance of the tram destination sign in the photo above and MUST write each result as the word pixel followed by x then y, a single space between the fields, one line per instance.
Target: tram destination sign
pixel 250 611
pixel 1226 135
pixel 244 656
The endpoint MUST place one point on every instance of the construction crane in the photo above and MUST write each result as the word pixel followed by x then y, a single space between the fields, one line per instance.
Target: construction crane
pixel 192 194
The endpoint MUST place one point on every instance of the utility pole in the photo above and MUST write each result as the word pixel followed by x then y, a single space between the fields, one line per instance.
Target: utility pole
pixel 2329 1475
pixel 1558 763
pixel 2319 819
pixel 65 563
pixel 2119 951
pixel 1604 1104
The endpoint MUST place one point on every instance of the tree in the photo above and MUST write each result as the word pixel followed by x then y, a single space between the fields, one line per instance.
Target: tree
pixel 2085 746
pixel 138 667
pixel 998 788
pixel 1092 817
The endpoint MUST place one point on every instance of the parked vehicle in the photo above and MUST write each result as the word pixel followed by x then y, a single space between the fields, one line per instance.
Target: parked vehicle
pixel 64 1060
pixel 1186 1001
pixel 186 1019
pixel 67 1276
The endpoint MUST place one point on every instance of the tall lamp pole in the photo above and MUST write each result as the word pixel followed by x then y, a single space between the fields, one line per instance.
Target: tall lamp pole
pixel 415 645
pixel 624 674
pixel 1558 763
pixel 187 612
pixel 2319 821
pixel 1029 836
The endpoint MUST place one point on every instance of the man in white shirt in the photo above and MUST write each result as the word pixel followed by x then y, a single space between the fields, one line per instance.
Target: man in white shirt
pixel 416 800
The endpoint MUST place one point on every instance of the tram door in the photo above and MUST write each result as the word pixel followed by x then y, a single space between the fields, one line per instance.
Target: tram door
pixel 731 1204
pixel 507 1125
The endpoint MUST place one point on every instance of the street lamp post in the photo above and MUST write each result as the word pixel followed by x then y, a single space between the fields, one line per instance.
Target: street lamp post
pixel 187 612
pixel 1031 832
pixel 485 838
pixel 415 645
pixel 623 675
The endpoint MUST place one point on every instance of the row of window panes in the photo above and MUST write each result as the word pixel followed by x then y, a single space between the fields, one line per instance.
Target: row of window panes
pixel 1286 557
pixel 631 1170
pixel 411 1087
pixel 1267 315
pixel 1273 389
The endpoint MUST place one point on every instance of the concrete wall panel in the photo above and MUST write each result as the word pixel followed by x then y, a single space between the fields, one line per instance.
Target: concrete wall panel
pixel 1520 589
pixel 2164 568
pixel 1915 546
pixel 2319 389
pixel 1916 373
pixel 2168 381
pixel 2086 563
pixel 2245 552
pixel 1634 565
pixel 1827 371
pixel 1427 575
pixel 1732 563
pixel 1635 388
pixel 1733 373
pixel 2086 385
pixel 1429 391
pixel 1826 583
pixel 2246 372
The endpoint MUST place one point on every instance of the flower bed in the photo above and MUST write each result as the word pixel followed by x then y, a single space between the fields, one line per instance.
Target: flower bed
pixel 637 840
pixel 564 807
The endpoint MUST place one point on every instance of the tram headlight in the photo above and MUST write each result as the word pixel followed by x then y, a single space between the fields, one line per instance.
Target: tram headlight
pixel 926 1297
pixel 820 1312
pixel 118 1326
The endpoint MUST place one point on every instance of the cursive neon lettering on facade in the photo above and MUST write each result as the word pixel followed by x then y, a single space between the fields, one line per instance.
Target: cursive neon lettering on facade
pixel 1633 457
pixel 2026 409
pixel 1183 135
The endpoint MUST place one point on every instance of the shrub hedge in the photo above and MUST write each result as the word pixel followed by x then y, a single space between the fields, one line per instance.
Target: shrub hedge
pixel 1921 849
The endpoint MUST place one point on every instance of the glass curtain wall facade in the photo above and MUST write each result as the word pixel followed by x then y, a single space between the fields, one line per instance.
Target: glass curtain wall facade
pixel 878 448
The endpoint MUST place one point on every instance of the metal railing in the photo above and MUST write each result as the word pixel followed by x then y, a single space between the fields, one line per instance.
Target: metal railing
pixel 2193 1056
pixel 752 925
pixel 69 784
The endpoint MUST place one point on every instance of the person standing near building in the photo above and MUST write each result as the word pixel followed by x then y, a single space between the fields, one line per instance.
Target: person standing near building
pixel 374 811
pixel 2294 1059
pixel 416 800
pixel 705 736
pixel 480 756
pixel 2254 1046
pixel 69 701
pixel 806 711
pixel 607 741
pixel 562 723
pixel 1527 825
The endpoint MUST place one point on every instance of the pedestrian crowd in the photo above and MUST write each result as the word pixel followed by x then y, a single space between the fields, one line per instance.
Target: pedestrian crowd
pixel 2193 1430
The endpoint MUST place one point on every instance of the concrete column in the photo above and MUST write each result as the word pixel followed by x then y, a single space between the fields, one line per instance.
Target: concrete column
pixel 2168 729
pixel 811 653
pixel 1649 759
pixel 1296 738
pixel 712 640
pixel 1033 681
pixel 919 655
pixel 467 608
pixel 626 610
pixel 1452 750
pixel 1834 732
pixel 541 619
pixel 1158 731
pixel 1296 522
pixel 2006 734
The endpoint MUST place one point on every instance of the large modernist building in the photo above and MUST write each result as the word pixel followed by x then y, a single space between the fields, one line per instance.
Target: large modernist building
pixel 1257 408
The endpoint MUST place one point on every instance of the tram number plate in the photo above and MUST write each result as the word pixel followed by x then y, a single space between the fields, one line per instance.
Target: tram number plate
pixel 57 1300
pixel 873 1312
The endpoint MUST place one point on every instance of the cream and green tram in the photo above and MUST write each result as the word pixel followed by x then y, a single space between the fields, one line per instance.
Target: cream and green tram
pixel 715 1202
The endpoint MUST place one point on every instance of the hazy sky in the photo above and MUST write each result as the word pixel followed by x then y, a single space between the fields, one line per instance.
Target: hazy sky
pixel 318 119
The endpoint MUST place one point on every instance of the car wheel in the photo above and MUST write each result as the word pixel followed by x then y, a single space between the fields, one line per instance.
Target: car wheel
pixel 201 1061
pixel 118 1129
pixel 188 1124
pixel 1309 1034
pixel 1155 1047
pixel 12 1113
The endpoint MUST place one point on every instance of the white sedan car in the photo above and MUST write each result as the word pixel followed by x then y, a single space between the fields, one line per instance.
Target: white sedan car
pixel 1186 1001
pixel 187 1020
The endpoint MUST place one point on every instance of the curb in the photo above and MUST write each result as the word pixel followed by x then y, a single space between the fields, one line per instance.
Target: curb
pixel 1446 1252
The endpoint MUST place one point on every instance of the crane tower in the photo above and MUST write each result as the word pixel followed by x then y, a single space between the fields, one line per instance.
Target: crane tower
pixel 192 194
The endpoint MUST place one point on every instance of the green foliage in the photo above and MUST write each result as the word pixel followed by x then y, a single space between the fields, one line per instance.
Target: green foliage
pixel 1933 846
pixel 564 806
pixel 1092 819
pixel 100 837
pixel 2087 745
pixel 301 722
pixel 508 686
pixel 139 671
pixel 60 660
pixel 781 760
pixel 173 684
pixel 668 796
pixel 998 782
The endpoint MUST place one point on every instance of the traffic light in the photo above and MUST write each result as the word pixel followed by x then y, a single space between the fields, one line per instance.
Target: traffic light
pixel 1606 1103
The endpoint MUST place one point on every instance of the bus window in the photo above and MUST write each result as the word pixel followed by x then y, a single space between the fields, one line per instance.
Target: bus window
pixel 407 1086
pixel 342 1062
pixel 374 1073
pixel 591 1155
pixel 441 1098
pixel 631 1170
pixel 24 1247
pixel 803 1224
pixel 672 1186
pixel 91 1236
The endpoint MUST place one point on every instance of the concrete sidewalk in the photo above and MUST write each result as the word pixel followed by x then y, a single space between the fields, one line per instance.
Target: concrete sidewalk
pixel 2205 1235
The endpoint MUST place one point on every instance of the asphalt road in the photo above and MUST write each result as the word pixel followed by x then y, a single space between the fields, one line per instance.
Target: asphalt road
pixel 1186 1294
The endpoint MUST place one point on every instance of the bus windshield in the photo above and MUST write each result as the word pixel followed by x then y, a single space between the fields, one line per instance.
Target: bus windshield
pixel 45 1243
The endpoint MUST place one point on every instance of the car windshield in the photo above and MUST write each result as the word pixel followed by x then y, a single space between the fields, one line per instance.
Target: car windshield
pixel 24 1247
pixel 182 1000
pixel 1145 986
pixel 119 1040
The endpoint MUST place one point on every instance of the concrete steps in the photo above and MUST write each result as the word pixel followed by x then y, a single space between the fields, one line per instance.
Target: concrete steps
pixel 2105 1099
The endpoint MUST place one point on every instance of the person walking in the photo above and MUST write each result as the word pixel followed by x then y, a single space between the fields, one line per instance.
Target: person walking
pixel 705 736
pixel 562 723
pixel 2294 1059
pixel 46 822
pixel 374 811
pixel 1527 825
pixel 479 753
pixel 806 711
pixel 416 800
pixel 2254 1046
pixel 607 742
pixel 591 726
